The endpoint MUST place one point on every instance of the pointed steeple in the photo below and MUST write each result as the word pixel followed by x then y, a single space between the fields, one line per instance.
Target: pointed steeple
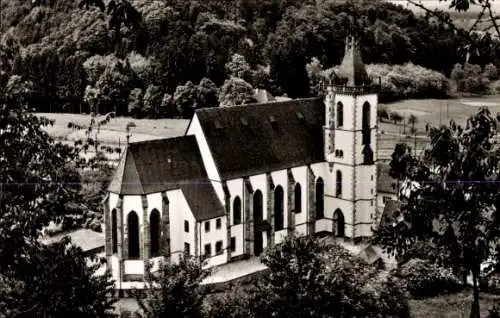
pixel 352 70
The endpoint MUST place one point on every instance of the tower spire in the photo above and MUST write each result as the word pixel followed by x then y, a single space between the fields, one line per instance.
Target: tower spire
pixel 352 71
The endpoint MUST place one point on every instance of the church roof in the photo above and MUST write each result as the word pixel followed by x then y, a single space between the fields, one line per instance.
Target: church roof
pixel 157 165
pixel 258 138
pixel 167 164
pixel 352 69
pixel 202 200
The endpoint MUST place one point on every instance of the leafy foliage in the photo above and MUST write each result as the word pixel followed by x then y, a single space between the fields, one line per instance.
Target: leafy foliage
pixel 310 279
pixel 266 43
pixel 453 201
pixel 174 290
pixel 39 181
pixel 424 279
pixel 236 91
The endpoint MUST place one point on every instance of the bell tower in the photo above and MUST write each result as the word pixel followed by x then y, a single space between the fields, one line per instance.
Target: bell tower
pixel 350 144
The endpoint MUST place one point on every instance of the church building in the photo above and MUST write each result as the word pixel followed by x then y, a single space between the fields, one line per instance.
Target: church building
pixel 242 178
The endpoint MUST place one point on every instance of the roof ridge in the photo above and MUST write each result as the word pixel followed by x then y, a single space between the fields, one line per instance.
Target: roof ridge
pixel 152 141
pixel 270 104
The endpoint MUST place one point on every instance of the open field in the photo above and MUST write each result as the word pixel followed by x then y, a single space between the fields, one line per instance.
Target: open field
pixel 461 19
pixel 432 111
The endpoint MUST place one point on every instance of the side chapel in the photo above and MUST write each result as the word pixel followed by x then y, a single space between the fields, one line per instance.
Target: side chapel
pixel 242 178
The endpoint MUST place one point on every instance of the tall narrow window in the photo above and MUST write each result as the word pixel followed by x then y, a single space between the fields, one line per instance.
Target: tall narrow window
pixel 218 248
pixel 257 206
pixel 233 244
pixel 114 231
pixel 340 114
pixel 218 223
pixel 297 193
pixel 133 235
pixel 338 187
pixel 366 124
pixel 237 211
pixel 320 206
pixel 279 221
pixel 186 226
pixel 154 232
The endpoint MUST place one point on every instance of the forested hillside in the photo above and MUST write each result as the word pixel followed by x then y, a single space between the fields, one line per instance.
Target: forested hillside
pixel 160 58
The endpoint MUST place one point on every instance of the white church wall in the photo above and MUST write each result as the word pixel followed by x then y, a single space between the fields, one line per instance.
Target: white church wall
pixel 179 212
pixel 134 267
pixel 323 225
pixel 347 182
pixel 364 213
pixel 206 155
pixel 300 176
pixel 366 182
pixel 344 141
pixel 132 203
pixel 235 188
pixel 259 182
pixel 115 267
pixel 213 236
pixel 113 201
pixel 155 202
pixel 346 207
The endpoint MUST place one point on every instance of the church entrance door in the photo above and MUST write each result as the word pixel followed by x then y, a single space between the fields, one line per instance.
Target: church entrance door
pixel 338 223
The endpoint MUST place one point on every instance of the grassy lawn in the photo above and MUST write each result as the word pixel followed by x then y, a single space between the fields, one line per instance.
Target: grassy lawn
pixel 115 131
pixel 432 111
pixel 451 306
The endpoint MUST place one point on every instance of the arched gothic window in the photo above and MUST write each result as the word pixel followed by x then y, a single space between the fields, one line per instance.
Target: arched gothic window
pixel 297 192
pixel 114 231
pixel 340 114
pixel 133 235
pixel 279 219
pixel 154 232
pixel 366 124
pixel 338 187
pixel 257 206
pixel 320 206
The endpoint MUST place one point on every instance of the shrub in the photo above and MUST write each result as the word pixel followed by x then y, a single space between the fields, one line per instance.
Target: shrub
pixel 491 283
pixel 425 279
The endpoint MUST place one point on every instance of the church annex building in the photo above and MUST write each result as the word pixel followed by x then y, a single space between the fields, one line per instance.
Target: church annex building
pixel 242 178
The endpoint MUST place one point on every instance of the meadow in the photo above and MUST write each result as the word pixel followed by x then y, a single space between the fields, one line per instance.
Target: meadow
pixel 461 19
pixel 431 111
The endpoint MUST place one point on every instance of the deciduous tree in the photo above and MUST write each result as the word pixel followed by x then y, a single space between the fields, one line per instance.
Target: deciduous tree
pixel 174 290
pixel 452 199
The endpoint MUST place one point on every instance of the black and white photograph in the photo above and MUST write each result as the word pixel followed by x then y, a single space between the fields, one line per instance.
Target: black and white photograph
pixel 249 158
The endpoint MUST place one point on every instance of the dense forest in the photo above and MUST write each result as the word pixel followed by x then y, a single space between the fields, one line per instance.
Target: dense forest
pixel 162 58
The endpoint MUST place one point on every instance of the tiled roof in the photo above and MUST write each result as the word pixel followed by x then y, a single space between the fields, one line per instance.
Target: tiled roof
pixel 202 200
pixel 390 214
pixel 168 164
pixel 385 184
pixel 158 165
pixel 256 138
pixel 86 239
